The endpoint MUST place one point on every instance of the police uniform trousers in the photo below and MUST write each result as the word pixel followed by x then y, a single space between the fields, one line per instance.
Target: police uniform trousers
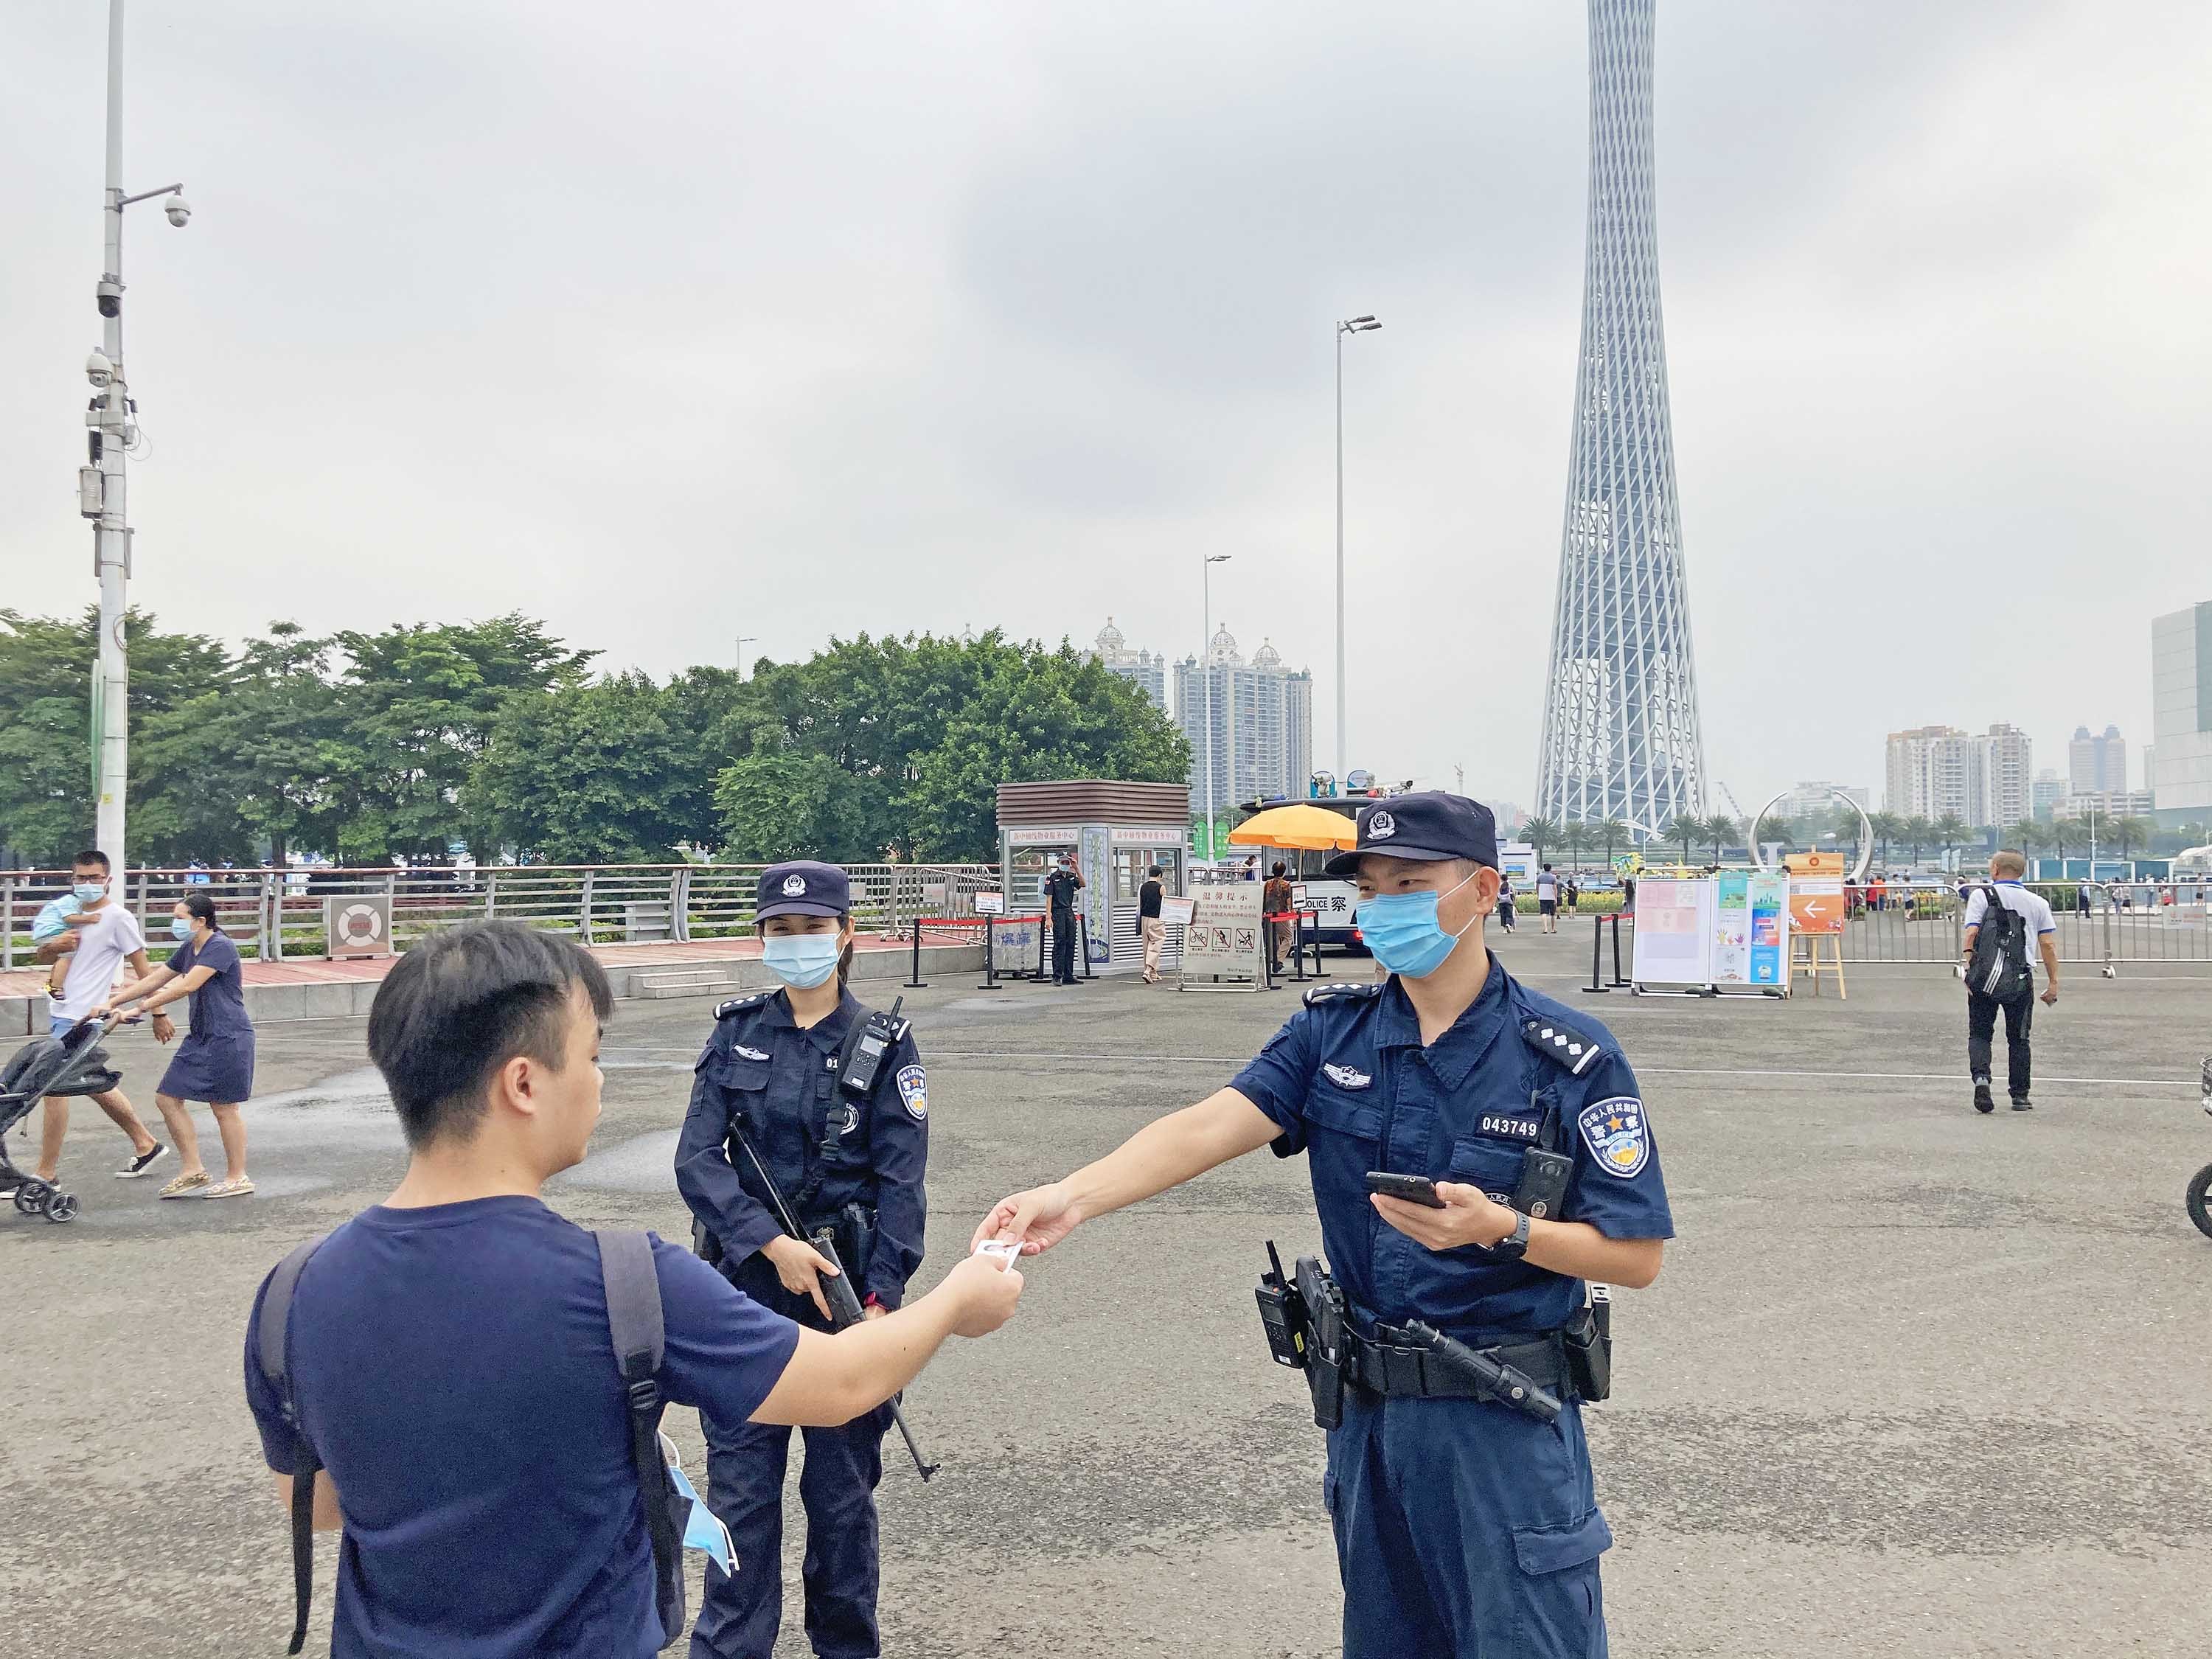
pixel 745 1462
pixel 1466 1529
pixel 1063 947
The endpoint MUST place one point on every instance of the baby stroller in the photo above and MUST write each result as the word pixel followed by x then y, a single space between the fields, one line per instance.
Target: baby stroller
pixel 73 1063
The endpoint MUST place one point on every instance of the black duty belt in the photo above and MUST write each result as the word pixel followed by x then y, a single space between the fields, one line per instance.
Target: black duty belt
pixel 1397 1371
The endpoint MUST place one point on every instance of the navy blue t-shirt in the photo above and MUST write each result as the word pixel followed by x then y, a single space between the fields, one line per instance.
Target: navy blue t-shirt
pixel 453 1369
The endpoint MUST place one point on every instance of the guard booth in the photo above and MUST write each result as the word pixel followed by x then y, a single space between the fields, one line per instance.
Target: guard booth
pixel 1116 830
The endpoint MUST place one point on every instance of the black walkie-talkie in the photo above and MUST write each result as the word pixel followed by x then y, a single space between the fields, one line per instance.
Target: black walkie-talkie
pixel 876 1041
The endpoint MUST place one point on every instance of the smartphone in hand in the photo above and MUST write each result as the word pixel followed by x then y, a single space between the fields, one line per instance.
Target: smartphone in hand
pixel 1414 1190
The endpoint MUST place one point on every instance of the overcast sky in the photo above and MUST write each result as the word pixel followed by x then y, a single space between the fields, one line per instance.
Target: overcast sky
pixel 677 322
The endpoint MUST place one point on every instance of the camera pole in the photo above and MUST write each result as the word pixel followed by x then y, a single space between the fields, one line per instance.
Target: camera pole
pixel 102 488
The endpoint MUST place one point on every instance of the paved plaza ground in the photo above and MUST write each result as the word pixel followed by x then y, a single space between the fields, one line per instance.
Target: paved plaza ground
pixel 1914 1381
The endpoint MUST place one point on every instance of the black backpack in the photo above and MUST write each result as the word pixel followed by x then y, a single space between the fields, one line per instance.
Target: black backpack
pixel 1999 968
pixel 633 1319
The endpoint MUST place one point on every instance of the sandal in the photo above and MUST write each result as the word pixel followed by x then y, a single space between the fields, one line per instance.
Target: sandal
pixel 185 1185
pixel 238 1189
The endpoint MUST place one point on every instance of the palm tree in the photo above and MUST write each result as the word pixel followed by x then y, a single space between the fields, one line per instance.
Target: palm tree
pixel 1887 827
pixel 1609 831
pixel 1720 830
pixel 1574 836
pixel 2068 831
pixel 1844 824
pixel 1686 828
pixel 2029 836
pixel 1539 833
pixel 1951 830
pixel 1916 834
pixel 2130 833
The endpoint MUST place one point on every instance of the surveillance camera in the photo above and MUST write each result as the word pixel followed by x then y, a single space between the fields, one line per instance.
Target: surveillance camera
pixel 178 210
pixel 99 370
pixel 109 295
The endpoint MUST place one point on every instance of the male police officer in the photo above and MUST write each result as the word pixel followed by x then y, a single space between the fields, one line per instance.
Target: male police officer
pixel 1059 889
pixel 1463 1525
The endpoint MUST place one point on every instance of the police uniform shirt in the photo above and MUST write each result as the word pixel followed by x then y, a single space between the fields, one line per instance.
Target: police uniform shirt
pixel 1059 888
pixel 784 1082
pixel 1350 1083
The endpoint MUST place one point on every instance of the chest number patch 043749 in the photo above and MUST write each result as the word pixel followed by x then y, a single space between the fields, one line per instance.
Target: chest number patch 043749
pixel 913 1090
pixel 1617 1134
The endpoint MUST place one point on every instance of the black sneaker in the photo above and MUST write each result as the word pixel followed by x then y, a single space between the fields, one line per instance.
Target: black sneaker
pixel 2022 1103
pixel 145 1161
pixel 1983 1100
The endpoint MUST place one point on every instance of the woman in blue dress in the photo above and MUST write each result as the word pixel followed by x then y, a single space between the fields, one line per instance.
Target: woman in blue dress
pixel 215 1062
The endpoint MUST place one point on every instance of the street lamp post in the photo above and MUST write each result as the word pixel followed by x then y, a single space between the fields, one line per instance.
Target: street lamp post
pixel 102 489
pixel 1206 671
pixel 1354 325
pixel 744 640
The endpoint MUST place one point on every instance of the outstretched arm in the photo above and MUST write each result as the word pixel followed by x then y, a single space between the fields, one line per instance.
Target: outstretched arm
pixel 1164 1153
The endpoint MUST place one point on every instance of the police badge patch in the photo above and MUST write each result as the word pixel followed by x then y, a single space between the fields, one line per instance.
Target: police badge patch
pixel 1617 1134
pixel 913 1090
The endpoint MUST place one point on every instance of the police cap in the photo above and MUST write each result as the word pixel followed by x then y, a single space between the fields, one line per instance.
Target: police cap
pixel 803 888
pixel 1426 824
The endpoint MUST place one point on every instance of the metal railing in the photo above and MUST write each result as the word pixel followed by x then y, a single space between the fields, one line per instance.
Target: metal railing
pixel 279 915
pixel 2106 924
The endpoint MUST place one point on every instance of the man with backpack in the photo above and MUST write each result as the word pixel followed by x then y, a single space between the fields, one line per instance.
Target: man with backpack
pixel 2001 918
pixel 468 1385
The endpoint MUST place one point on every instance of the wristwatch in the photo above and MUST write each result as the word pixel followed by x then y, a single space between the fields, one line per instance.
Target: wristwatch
pixel 1514 1245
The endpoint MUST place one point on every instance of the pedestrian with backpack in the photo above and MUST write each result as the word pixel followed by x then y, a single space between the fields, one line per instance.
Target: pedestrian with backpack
pixel 2001 918
pixel 468 1385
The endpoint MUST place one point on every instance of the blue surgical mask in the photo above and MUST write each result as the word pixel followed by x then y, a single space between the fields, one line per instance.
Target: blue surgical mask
pixel 90 893
pixel 801 960
pixel 1402 930
pixel 179 929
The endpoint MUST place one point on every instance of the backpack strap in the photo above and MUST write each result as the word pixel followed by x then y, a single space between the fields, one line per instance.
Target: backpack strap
pixel 633 1289
pixel 276 1323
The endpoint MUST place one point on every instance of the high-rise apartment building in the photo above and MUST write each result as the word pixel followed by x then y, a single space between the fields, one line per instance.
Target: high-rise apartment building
pixel 1147 672
pixel 2044 794
pixel 1985 777
pixel 1262 722
pixel 2096 765
pixel 2180 784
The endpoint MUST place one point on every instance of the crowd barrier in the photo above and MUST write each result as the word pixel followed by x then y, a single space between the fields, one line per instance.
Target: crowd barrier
pixel 2112 924
pixel 275 916
pixel 989 926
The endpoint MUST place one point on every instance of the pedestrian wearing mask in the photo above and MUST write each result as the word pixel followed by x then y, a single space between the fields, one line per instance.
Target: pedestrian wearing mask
pixel 104 942
pixel 777 1069
pixel 215 1062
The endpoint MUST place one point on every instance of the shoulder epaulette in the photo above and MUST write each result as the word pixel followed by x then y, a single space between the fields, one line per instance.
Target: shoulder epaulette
pixel 1337 989
pixel 739 1004
pixel 1559 1042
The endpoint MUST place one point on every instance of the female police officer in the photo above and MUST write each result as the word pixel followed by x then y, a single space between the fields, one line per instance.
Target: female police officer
pixel 841 1124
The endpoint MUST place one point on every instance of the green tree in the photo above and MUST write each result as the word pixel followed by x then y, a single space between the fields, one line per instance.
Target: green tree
pixel 924 730
pixel 1541 833
pixel 2130 833
pixel 45 734
pixel 1917 833
pixel 414 711
pixel 1721 829
pixel 2028 837
pixel 589 774
pixel 1951 830
pixel 789 806
pixel 2069 832
pixel 1684 828
pixel 1887 827
pixel 1574 836
pixel 1609 832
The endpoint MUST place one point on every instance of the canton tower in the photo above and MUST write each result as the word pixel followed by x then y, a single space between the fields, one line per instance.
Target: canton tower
pixel 1621 738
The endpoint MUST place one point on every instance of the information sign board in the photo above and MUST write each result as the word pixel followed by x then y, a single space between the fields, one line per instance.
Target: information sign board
pixel 1675 928
pixel 1222 944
